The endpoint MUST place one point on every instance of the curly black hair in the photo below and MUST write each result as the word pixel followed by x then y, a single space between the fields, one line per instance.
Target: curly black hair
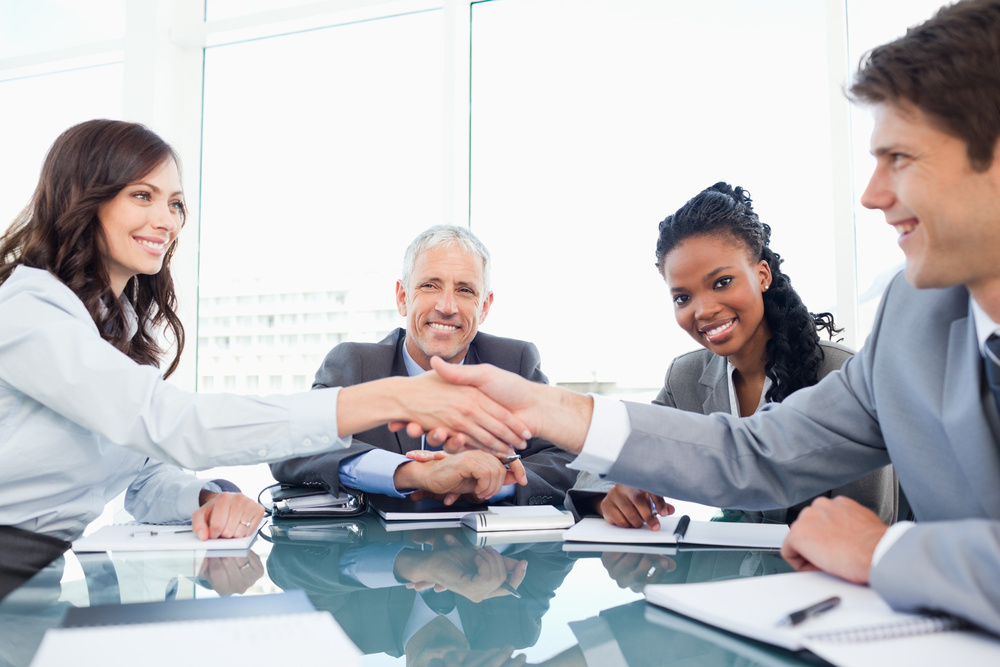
pixel 794 354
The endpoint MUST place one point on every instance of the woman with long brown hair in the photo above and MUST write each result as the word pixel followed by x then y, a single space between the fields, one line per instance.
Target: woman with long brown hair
pixel 85 292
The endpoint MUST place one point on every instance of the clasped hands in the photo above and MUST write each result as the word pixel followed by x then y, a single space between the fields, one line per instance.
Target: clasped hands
pixel 481 406
pixel 473 476
pixel 475 573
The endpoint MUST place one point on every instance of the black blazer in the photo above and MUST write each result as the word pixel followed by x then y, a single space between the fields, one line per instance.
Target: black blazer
pixel 353 363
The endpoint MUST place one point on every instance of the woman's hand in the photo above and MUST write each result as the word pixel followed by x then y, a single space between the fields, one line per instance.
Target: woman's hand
pixel 226 515
pixel 631 508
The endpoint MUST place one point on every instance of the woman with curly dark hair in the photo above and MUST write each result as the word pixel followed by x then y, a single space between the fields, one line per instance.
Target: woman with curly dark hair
pixel 760 342
pixel 85 292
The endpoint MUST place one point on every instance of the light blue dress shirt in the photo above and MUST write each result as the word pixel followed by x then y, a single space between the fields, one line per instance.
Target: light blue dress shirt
pixel 80 422
pixel 372 471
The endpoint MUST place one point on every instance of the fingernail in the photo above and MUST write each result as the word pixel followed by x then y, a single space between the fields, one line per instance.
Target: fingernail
pixel 526 435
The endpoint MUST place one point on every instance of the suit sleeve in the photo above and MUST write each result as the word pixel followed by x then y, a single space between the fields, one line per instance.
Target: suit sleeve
pixel 957 564
pixel 545 464
pixel 818 438
pixel 340 368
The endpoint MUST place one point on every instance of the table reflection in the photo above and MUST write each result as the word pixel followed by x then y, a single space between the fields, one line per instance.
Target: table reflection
pixel 427 594
pixel 423 597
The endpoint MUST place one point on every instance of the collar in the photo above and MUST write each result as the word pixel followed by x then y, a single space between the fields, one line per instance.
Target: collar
pixel 734 404
pixel 985 327
pixel 413 369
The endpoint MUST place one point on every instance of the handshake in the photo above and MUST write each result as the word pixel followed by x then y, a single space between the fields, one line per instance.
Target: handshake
pixel 483 407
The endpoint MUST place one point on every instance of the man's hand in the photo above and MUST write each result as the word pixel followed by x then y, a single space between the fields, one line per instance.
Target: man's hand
pixel 631 508
pixel 449 477
pixel 225 515
pixel 426 403
pixel 560 416
pixel 836 535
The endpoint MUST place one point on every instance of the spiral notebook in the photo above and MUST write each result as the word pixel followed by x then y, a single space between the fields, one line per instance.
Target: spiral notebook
pixel 850 634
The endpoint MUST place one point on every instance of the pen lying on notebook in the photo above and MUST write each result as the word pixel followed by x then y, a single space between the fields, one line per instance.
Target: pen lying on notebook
pixel 796 617
pixel 154 533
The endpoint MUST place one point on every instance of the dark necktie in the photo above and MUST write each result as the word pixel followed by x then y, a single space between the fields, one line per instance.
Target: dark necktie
pixel 993 366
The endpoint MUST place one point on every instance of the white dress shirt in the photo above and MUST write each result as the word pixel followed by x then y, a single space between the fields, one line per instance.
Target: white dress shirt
pixel 80 421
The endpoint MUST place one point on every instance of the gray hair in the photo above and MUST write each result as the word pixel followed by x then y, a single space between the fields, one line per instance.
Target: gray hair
pixel 445 235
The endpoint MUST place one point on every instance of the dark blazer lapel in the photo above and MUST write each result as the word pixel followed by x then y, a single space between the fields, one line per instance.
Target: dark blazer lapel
pixel 715 382
pixel 964 421
pixel 472 356
pixel 405 442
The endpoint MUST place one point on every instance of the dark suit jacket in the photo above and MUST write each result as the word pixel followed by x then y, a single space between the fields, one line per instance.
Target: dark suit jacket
pixel 915 394
pixel 353 363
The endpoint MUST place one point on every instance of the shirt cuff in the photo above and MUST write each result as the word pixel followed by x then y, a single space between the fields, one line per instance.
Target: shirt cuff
pixel 890 538
pixel 372 472
pixel 313 418
pixel 609 429
pixel 505 493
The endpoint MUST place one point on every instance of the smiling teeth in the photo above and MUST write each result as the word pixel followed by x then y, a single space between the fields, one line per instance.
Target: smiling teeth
pixel 443 327
pixel 150 244
pixel 718 330
pixel 905 228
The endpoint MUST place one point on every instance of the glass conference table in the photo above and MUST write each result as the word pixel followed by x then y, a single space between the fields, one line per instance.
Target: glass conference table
pixel 415 597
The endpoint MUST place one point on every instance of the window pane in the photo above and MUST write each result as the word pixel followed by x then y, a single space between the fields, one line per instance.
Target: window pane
pixel 225 9
pixel 870 23
pixel 608 116
pixel 37 112
pixel 33 26
pixel 323 156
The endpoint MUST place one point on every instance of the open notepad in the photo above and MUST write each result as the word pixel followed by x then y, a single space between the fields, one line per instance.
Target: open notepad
pixel 715 534
pixel 862 630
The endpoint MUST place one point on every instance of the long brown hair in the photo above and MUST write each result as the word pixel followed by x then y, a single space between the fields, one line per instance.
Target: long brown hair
pixel 59 231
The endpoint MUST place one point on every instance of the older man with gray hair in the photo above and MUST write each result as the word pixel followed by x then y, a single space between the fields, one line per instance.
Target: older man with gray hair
pixel 444 294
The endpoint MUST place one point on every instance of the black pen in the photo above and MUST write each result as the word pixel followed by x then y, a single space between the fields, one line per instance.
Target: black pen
pixel 154 533
pixel 796 617
pixel 507 460
pixel 682 526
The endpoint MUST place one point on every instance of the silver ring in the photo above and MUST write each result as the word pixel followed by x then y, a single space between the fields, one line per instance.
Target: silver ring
pixel 245 523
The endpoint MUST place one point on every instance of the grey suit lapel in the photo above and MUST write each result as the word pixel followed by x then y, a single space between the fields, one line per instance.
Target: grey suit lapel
pixel 715 383
pixel 962 413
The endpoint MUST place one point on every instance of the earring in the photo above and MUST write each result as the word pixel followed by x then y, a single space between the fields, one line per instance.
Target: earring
pixel 767 287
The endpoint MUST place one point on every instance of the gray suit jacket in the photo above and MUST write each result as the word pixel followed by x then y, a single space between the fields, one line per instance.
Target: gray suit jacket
pixel 699 382
pixel 915 395
pixel 352 363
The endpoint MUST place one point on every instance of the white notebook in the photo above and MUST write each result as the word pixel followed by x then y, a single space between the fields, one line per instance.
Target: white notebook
pixel 754 606
pixel 716 534
pixel 154 537
pixel 285 639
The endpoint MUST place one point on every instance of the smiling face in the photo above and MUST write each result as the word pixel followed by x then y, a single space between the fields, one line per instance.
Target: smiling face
pixel 717 292
pixel 444 304
pixel 946 213
pixel 140 222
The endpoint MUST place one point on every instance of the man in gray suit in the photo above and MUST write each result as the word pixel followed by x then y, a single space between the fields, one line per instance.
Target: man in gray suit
pixel 444 294
pixel 917 395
